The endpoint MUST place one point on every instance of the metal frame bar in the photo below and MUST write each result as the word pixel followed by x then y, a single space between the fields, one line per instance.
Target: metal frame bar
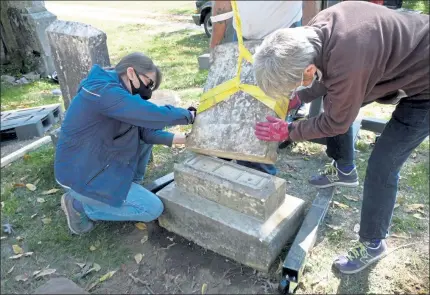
pixel 160 183
pixel 305 239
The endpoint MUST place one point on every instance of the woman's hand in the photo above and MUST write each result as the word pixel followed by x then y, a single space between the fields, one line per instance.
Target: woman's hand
pixel 179 138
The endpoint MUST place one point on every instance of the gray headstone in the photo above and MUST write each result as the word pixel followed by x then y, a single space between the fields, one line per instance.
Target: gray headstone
pixel 75 48
pixel 165 97
pixel 60 286
pixel 227 129
pixel 26 24
pixel 224 208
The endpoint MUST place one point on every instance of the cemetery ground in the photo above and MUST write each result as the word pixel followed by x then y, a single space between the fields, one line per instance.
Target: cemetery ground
pixel 148 259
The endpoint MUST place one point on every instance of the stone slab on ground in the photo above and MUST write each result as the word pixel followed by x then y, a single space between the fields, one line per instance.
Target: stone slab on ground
pixel 237 187
pixel 227 129
pixel 75 48
pixel 235 235
pixel 60 286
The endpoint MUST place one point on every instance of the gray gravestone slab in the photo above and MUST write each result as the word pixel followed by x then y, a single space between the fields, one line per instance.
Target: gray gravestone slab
pixel 75 48
pixel 239 188
pixel 233 234
pixel 227 129
pixel 60 286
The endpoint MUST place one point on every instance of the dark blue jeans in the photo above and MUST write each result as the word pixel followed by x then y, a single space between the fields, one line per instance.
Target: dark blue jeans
pixel 408 127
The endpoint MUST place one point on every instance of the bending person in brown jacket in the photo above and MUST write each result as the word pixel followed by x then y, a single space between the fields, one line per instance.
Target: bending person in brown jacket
pixel 354 53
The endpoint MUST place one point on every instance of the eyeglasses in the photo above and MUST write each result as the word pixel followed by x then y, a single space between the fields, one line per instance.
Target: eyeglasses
pixel 151 82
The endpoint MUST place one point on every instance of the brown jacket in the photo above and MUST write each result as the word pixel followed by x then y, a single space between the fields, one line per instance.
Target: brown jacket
pixel 368 52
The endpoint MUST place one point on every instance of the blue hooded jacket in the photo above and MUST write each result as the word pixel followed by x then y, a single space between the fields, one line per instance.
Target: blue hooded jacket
pixel 99 145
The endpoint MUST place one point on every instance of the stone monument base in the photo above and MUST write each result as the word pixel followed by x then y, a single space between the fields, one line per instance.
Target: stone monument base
pixel 225 223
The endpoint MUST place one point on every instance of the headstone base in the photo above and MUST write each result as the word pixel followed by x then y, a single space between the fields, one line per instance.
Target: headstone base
pixel 240 237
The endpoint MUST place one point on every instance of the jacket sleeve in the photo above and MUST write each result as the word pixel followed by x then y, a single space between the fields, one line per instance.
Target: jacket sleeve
pixel 119 104
pixel 346 87
pixel 156 136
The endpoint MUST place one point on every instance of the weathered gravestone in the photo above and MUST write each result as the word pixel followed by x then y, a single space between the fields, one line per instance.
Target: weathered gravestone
pixel 23 35
pixel 227 129
pixel 75 47
pixel 232 210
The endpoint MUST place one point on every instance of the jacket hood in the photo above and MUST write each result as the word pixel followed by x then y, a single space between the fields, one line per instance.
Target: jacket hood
pixel 98 78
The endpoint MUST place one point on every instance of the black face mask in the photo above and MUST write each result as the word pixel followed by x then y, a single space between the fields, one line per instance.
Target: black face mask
pixel 144 91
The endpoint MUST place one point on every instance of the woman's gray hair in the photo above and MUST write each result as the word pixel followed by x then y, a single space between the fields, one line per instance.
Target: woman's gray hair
pixel 280 60
pixel 141 63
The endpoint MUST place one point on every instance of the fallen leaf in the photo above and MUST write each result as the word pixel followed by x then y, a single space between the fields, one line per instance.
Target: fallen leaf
pixel 17 249
pixel 21 278
pixel 351 198
pixel 24 178
pixel 96 267
pixel 26 157
pixel 138 258
pixel 204 288
pixel 333 227
pixel 421 211
pixel 16 256
pixel 141 225
pixel 418 216
pixel 19 238
pixel 81 265
pixel 340 205
pixel 50 192
pixel 19 185
pixel 107 276
pixel 10 270
pixel 26 254
pixel 45 272
pixel 40 200
pixel 36 272
pixel 92 248
pixel 357 228
pixel 46 220
pixel 31 187
pixel 37 181
pixel 144 239
pixel 32 216
pixel 413 207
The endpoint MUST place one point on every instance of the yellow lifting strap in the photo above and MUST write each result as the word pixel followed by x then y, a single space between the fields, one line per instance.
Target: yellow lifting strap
pixel 228 88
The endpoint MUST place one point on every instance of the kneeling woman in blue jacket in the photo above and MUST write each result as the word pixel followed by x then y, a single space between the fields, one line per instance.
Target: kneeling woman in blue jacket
pixel 106 141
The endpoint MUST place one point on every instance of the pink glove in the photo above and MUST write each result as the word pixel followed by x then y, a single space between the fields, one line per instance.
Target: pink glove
pixel 273 130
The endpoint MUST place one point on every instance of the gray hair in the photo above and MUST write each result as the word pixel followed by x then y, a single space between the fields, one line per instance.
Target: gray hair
pixel 280 60
pixel 142 65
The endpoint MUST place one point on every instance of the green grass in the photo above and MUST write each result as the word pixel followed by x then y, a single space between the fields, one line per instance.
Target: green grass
pixel 181 11
pixel 176 53
pixel 421 5
pixel 29 95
